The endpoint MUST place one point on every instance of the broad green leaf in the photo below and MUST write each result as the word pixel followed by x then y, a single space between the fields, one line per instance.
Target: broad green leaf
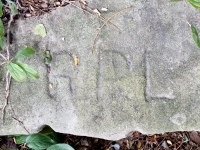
pixel 12 7
pixel 16 72
pixel 60 147
pixel 195 36
pixel 1 8
pixel 26 52
pixel 40 30
pixel 2 43
pixel 39 141
pixel 2 38
pixel 20 139
pixel 47 130
pixel 195 3
pixel 56 137
pixel 2 30
pixel 30 72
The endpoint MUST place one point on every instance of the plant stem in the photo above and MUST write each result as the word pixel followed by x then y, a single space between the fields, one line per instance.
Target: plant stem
pixel 7 91
pixel 2 63
pixel 8 37
pixel 3 57
pixel 8 76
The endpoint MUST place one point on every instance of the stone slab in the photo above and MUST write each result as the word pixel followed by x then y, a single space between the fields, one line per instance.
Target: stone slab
pixel 144 77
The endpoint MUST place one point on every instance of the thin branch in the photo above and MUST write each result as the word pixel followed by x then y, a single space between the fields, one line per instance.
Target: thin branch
pixel 21 123
pixel 3 57
pixel 99 17
pixel 8 37
pixel 7 91
pixel 2 63
pixel 103 19
pixel 106 21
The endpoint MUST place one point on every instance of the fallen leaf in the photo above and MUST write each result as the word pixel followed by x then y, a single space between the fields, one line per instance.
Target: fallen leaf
pixel 40 30
pixel 14 140
pixel 169 142
pixel 139 144
pixel 194 137
pixel 76 61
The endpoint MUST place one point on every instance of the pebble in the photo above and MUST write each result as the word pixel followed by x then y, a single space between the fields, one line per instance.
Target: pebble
pixel 28 15
pixel 44 5
pixel 58 3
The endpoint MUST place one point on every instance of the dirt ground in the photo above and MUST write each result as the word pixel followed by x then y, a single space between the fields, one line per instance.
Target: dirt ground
pixel 133 141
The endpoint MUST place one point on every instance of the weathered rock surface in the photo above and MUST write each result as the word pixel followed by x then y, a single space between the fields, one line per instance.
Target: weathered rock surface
pixel 145 77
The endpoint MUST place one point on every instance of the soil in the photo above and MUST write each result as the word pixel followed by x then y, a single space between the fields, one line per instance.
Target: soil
pixel 133 141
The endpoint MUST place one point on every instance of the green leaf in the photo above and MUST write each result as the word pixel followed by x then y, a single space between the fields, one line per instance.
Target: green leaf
pixel 39 141
pixel 2 43
pixel 195 36
pixel 2 38
pixel 26 52
pixel 20 139
pixel 12 7
pixel 48 57
pixel 195 3
pixel 1 8
pixel 2 30
pixel 56 137
pixel 40 30
pixel 16 72
pixel 47 130
pixel 60 147
pixel 30 72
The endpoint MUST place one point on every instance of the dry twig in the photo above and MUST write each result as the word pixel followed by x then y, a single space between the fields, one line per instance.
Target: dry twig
pixel 21 123
pixel 8 76
pixel 86 11
pixel 7 92
pixel 106 21
pixel 3 57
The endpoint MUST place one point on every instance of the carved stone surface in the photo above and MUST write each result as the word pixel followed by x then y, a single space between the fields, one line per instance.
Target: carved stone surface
pixel 143 77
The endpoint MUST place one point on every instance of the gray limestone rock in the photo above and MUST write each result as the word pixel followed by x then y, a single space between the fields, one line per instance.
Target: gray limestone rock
pixel 145 77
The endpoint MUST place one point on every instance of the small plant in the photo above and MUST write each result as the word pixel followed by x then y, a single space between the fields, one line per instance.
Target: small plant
pixel 194 3
pixel 18 70
pixel 46 139
pixel 195 35
pixel 15 68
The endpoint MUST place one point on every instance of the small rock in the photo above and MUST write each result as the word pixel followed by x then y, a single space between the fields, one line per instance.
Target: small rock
pixel 104 9
pixel 115 146
pixel 44 5
pixel 169 142
pixel 84 143
pixel 164 144
pixel 28 15
pixel 57 3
